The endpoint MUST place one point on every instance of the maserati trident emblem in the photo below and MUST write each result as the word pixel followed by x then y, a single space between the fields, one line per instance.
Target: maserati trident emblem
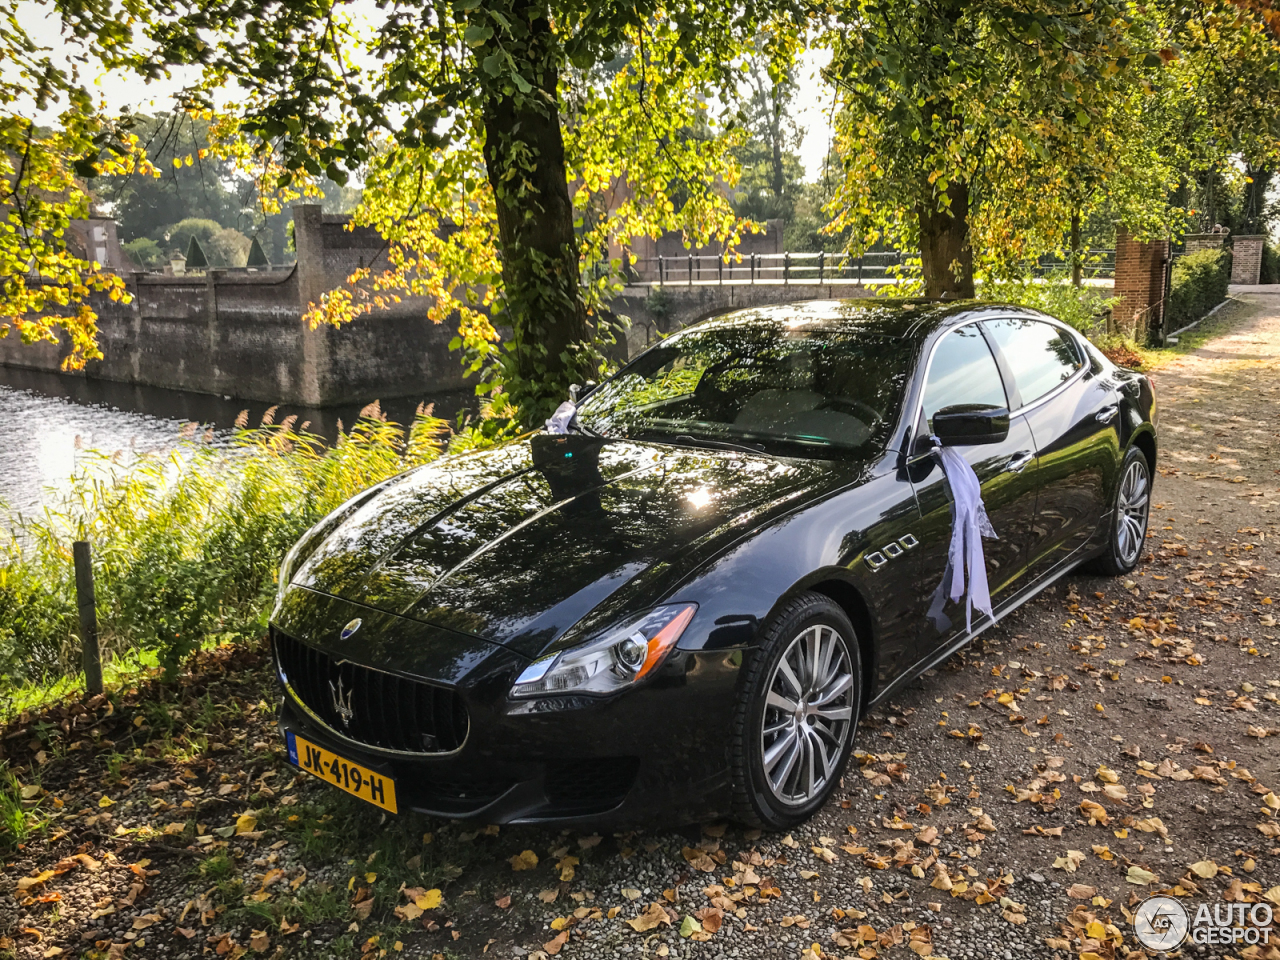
pixel 342 701
pixel 349 630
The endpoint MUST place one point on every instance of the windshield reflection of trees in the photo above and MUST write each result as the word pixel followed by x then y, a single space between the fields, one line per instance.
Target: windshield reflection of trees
pixel 798 392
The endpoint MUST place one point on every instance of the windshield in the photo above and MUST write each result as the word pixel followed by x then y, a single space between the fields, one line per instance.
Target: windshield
pixel 786 391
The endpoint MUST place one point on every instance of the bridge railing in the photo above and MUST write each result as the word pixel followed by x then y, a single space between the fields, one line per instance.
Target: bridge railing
pixel 766 268
pixel 694 269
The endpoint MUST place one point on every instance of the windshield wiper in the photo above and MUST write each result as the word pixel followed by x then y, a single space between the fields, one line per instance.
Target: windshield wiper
pixel 722 444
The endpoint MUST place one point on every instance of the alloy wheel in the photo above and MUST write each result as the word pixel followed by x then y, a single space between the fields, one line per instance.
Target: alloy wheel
pixel 808 715
pixel 1132 508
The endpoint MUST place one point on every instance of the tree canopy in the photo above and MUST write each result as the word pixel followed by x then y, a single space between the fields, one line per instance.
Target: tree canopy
pixel 512 150
pixel 976 132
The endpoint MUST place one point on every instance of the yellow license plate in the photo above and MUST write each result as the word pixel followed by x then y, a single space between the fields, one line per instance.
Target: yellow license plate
pixel 342 773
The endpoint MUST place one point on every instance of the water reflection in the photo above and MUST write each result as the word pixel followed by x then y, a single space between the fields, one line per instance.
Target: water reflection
pixel 43 414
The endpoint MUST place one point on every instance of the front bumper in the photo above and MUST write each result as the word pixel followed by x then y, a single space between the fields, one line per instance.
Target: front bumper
pixel 655 754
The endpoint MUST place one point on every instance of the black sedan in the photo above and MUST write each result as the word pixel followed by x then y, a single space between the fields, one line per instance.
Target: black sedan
pixel 680 609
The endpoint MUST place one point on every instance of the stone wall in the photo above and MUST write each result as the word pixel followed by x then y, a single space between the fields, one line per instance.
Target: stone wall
pixel 242 334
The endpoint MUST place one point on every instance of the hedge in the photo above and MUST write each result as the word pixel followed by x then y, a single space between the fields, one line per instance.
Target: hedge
pixel 1199 284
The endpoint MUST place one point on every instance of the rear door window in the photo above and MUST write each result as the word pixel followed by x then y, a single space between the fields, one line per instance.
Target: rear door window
pixel 1040 355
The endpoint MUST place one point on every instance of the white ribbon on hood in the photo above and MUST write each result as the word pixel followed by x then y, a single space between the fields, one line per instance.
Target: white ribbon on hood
pixel 562 418
pixel 969 524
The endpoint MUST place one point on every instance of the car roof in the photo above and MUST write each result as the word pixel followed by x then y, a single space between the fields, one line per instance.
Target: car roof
pixel 907 319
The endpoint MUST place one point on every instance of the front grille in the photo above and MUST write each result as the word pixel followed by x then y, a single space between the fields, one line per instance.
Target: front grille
pixel 370 706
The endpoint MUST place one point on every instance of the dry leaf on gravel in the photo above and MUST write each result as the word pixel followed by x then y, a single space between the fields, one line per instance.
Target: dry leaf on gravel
pixel 650 919
pixel 556 943
pixel 526 860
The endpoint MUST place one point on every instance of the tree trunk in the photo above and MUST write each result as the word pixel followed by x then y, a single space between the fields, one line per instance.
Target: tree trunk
pixel 946 259
pixel 524 158
pixel 1255 198
pixel 1077 255
pixel 775 130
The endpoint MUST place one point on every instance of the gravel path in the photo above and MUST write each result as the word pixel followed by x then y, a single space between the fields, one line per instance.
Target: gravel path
pixel 1111 740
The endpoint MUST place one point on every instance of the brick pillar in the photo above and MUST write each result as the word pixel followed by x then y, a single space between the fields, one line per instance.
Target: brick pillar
pixel 1204 241
pixel 1139 280
pixel 1246 259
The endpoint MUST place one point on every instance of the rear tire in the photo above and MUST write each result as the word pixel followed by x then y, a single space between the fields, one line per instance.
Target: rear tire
pixel 1130 513
pixel 796 714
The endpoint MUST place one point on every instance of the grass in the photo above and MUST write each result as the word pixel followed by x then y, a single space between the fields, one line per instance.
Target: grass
pixel 186 546
pixel 18 820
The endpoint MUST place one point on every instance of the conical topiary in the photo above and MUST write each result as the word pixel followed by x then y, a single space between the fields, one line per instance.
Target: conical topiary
pixel 196 260
pixel 257 256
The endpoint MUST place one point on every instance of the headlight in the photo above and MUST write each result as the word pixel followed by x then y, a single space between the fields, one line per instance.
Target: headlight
pixel 612 662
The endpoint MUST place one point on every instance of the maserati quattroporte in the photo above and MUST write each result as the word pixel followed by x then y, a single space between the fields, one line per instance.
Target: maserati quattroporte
pixel 679 609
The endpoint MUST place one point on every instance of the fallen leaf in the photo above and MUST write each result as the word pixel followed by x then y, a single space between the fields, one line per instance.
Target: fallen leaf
pixel 1139 876
pixel 554 945
pixel 428 900
pixel 650 919
pixel 524 861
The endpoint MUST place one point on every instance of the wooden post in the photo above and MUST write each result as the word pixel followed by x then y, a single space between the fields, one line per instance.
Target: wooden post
pixel 87 606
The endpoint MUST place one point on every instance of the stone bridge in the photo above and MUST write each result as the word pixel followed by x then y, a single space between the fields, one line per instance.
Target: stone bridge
pixel 656 310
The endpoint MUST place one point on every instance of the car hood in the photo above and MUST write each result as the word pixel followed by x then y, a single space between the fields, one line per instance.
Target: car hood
pixel 517 544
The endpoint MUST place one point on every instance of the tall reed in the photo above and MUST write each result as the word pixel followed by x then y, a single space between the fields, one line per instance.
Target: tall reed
pixel 186 544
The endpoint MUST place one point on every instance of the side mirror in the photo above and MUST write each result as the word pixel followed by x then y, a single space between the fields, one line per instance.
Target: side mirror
pixel 967 424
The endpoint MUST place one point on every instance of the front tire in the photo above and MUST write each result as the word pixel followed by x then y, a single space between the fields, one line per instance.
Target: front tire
pixel 797 713
pixel 1127 529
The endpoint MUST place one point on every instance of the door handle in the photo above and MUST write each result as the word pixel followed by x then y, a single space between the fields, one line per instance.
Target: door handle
pixel 1018 462
pixel 1107 414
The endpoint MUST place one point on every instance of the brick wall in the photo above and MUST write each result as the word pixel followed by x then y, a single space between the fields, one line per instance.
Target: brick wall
pixel 1139 282
pixel 1246 259
pixel 1195 242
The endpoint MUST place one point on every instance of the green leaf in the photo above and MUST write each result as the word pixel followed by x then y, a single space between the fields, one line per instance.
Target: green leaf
pixel 477 35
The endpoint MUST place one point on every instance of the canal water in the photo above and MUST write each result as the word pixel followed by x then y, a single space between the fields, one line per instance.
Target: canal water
pixel 48 420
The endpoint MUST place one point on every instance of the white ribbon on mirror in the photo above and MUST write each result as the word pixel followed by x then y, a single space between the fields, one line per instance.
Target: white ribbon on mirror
pixel 562 418
pixel 969 524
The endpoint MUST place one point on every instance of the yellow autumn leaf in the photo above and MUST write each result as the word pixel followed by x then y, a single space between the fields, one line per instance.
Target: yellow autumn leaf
pixel 429 900
pixel 526 860
pixel 245 823
pixel 1205 869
